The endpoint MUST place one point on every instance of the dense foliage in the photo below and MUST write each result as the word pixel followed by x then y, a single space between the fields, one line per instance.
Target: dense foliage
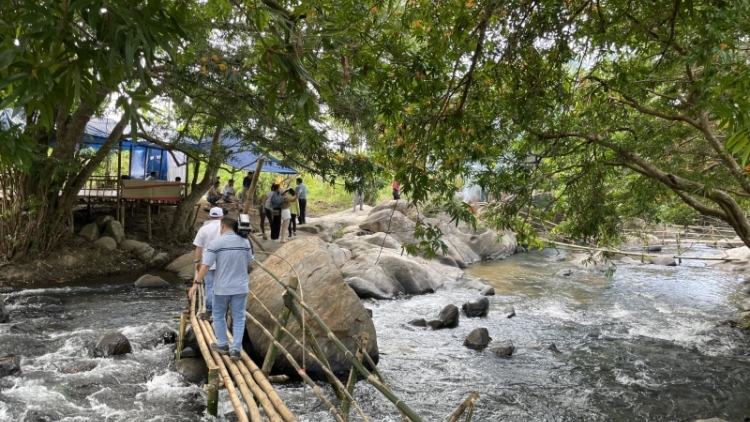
pixel 614 108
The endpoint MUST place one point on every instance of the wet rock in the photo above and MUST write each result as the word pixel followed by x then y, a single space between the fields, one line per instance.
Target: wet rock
pixel 190 340
pixel 567 272
pixel 102 221
pixel 477 339
pixel 112 344
pixel 419 322
pixel 105 244
pixel 90 232
pixel 52 308
pixel 745 289
pixel 488 291
pixel 369 312
pixel 4 316
pixel 630 261
pixel 447 318
pixel 653 248
pixel 553 348
pixel 142 250
pixel 510 311
pixel 43 300
pixel 162 335
pixel 663 260
pixel 504 349
pixel 78 367
pixel 231 417
pixel 477 308
pixel 184 266
pixel 365 290
pixel 192 370
pixel 114 230
pixel 477 284
pixel 9 365
pixel 744 304
pixel 151 282
pixel 188 352
pixel 324 290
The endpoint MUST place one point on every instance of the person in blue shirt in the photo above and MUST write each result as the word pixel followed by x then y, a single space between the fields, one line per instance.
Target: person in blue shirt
pixel 233 257
pixel 301 191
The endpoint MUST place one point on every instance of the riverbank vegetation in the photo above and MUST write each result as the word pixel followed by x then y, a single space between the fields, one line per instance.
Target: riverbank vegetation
pixel 610 108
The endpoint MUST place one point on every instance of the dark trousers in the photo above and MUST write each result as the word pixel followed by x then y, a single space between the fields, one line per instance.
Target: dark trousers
pixel 275 223
pixel 293 225
pixel 264 214
pixel 396 195
pixel 302 208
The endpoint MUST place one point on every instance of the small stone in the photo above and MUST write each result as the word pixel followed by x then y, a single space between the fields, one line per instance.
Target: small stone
pixel 112 344
pixel 142 250
pixel 90 232
pixel 565 273
pixel 114 230
pixel 477 339
pixel 160 258
pixel 510 311
pixel 478 308
pixel 188 352
pixel 106 244
pixel 369 312
pixel 9 365
pixel 447 318
pixel 504 349
pixel 43 300
pixel 419 322
pixel 52 309
pixel 4 316
pixel 553 348
pixel 151 282
pixel 488 291
pixel 663 260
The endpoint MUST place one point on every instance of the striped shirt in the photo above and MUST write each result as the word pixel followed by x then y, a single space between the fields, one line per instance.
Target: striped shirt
pixel 231 254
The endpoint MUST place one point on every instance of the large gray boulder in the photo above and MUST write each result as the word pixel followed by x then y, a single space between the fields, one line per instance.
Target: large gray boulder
pixel 149 281
pixel 387 221
pixel 112 344
pixel 324 290
pixel 9 365
pixel 4 316
pixel 192 370
pixel 90 232
pixel 102 221
pixel 477 308
pixel 184 266
pixel 142 250
pixel 392 205
pixel 391 273
pixel 114 230
pixel 106 244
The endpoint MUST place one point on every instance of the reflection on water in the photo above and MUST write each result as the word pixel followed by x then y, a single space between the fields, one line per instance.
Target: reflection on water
pixel 643 345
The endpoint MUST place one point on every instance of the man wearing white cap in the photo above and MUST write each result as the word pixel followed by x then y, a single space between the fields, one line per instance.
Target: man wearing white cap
pixel 211 230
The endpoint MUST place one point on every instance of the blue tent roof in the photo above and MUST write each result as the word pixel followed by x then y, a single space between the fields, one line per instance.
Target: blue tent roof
pixel 246 157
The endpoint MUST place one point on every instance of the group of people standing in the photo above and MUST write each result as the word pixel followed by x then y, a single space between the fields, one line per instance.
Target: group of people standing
pixel 284 208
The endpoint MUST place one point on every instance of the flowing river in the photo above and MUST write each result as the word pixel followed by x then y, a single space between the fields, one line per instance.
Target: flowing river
pixel 643 345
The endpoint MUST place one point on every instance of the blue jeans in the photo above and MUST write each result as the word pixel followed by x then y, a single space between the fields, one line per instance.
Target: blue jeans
pixel 221 303
pixel 209 280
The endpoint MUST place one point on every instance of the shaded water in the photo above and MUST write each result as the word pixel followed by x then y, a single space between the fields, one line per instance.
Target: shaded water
pixel 643 345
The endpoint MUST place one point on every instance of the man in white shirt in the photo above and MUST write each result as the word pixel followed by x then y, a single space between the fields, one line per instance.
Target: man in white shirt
pixel 151 176
pixel 211 230
pixel 228 192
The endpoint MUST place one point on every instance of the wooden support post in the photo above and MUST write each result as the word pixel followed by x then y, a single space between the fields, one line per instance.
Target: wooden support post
pixel 180 336
pixel 346 404
pixel 148 220
pixel 278 333
pixel 251 192
pixel 122 215
pixel 212 388
pixel 314 345
pixel 679 251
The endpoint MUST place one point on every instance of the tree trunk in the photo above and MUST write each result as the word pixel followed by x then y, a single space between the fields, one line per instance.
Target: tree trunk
pixel 181 219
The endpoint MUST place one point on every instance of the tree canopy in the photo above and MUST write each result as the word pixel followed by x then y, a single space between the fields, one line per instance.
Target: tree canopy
pixel 609 107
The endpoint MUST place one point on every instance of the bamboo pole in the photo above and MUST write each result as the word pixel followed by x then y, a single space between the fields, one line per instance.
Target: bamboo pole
pixel 278 379
pixel 301 372
pixel 148 220
pixel 239 410
pixel 278 332
pixel 325 367
pixel 212 389
pixel 350 383
pixel 180 336
pixel 469 402
pixel 289 304
pixel 347 353
pixel 638 254
pixel 267 388
pixel 239 379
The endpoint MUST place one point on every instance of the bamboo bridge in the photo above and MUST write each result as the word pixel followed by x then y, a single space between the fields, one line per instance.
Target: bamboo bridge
pixel 250 387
